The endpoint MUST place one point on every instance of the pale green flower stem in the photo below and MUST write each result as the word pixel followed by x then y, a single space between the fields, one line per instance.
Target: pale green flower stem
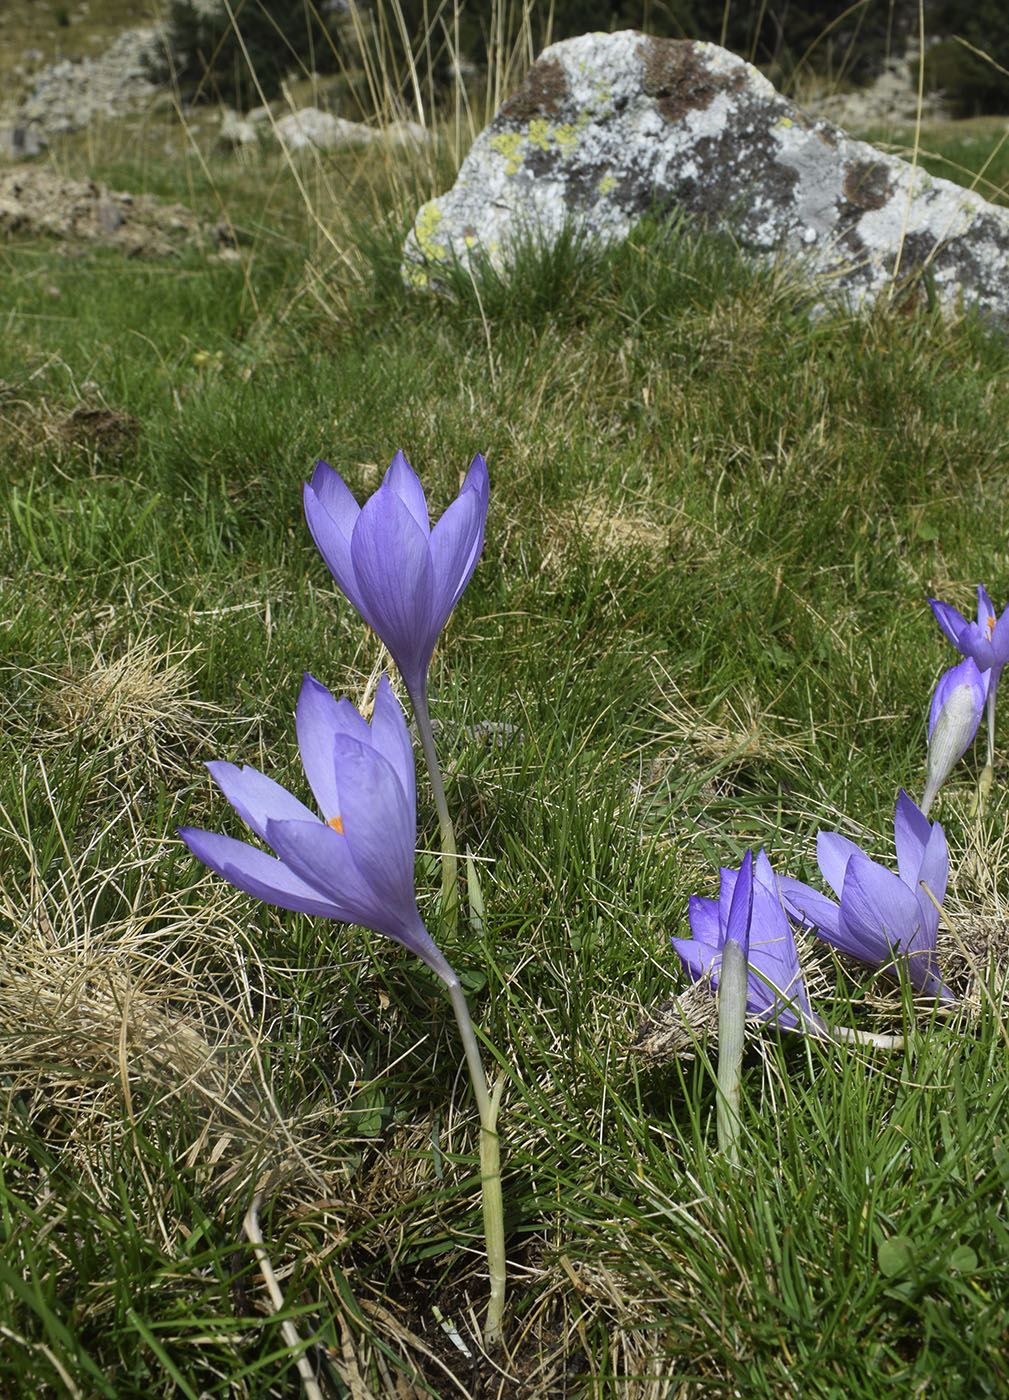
pixel 984 783
pixel 731 1035
pixel 488 1103
pixel 449 863
pixel 987 773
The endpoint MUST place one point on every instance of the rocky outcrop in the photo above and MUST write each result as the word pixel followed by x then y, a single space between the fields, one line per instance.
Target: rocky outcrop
pixel 39 202
pixel 608 128
pixel 69 94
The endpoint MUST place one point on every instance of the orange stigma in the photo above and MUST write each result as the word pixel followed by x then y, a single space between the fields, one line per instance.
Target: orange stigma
pixel 336 823
pixel 991 626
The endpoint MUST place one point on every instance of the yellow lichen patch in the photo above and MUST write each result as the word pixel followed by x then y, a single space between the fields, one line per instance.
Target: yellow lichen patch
pixel 428 221
pixel 416 276
pixel 566 136
pixel 607 184
pixel 539 133
pixel 509 145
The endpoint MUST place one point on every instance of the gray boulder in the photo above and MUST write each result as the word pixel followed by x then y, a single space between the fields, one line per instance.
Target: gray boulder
pixel 609 127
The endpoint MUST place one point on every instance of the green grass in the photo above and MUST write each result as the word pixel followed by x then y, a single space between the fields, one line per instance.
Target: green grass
pixel 714 524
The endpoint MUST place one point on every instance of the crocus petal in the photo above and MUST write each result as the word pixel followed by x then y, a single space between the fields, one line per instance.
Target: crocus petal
pixel 334 546
pixel 726 889
pixel 335 496
pixel 256 798
pixel 704 922
pixel 391 738
pixel 880 916
pixel 698 959
pixel 379 823
pixel 985 609
pixel 392 567
pixel 737 925
pixel 912 832
pixel 952 622
pixel 1000 640
pixel 318 717
pixel 833 852
pixel 477 480
pixel 762 872
pixel 808 906
pixel 455 546
pixel 402 479
pixel 260 875
pixel 772 945
pixel 932 874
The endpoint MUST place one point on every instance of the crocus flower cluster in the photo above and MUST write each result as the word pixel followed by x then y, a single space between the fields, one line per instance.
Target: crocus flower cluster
pixel 404 578
pixel 354 860
pixel 886 920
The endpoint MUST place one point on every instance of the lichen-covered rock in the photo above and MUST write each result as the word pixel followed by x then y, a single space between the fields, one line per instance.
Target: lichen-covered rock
pixel 609 127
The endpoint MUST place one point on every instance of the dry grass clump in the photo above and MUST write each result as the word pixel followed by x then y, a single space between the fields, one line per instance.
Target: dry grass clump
pixel 136 704
pixel 736 732
pixel 606 529
pixel 117 993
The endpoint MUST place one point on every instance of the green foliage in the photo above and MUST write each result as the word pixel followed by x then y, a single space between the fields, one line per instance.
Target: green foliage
pixel 245 62
pixel 972 74
pixel 700 622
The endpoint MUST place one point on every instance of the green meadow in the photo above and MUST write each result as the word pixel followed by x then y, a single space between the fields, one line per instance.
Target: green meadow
pixel 699 625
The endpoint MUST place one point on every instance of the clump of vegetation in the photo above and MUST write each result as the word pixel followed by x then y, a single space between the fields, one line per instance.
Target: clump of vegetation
pixel 969 63
pixel 245 61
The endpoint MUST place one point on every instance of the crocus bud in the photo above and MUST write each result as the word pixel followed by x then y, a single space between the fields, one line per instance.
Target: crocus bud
pixel 953 721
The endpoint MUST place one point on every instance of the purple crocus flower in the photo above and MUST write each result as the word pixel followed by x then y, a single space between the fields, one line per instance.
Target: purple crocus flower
pixel 402 576
pixel 883 919
pixel 355 863
pixel 749 910
pixel 986 640
pixel 953 720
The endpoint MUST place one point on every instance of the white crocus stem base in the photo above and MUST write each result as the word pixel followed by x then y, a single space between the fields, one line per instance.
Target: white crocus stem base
pixel 875 1040
pixel 490 1165
pixel 449 863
